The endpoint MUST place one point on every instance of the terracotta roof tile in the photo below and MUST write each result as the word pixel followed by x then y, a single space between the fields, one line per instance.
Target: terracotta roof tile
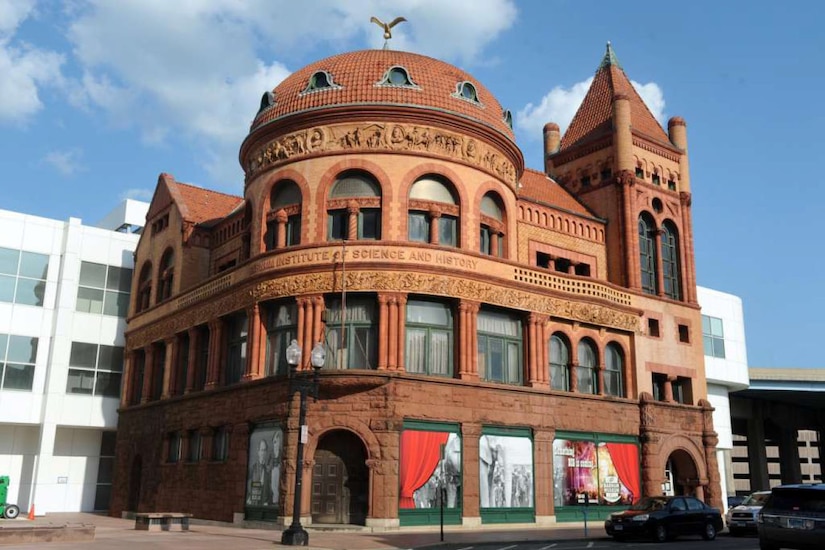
pixel 595 114
pixel 202 205
pixel 536 186
pixel 357 74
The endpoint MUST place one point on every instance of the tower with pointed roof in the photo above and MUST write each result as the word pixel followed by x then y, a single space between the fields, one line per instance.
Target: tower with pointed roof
pixel 616 158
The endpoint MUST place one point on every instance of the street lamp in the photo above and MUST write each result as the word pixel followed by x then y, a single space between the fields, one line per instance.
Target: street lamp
pixel 296 535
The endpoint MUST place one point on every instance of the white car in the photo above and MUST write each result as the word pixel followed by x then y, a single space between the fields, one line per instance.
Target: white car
pixel 742 518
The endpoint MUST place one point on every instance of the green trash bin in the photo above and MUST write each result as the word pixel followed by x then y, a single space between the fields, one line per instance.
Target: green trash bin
pixel 8 511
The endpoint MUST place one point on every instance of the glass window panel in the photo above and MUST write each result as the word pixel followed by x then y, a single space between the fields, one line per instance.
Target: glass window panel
pixel 116 304
pixel 103 495
pixel 111 358
pixel 355 185
pixel 34 265
pixel 719 348
pixel 119 278
pixel 18 377
pixel 286 193
pixel 283 315
pixel 30 292
pixel 499 323
pixel 7 288
pixel 428 313
pixel 489 207
pixel 419 227
pixel 338 225
pixel 22 349
pixel 4 340
pixel 716 327
pixel 8 261
pixel 89 300
pixel 440 353
pixel 447 231
pixel 80 381
pixel 707 343
pixel 370 224
pixel 705 324
pixel 107 444
pixel 416 350
pixel 83 355
pixel 513 363
pixel 429 189
pixel 293 230
pixel 495 359
pixel 93 275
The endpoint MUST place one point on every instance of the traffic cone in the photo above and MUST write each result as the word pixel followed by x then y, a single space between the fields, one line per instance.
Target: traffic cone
pixel 31 512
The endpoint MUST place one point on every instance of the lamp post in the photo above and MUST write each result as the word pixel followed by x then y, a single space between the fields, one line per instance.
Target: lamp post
pixel 296 535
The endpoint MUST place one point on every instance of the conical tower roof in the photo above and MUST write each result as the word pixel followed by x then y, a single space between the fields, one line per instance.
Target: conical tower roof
pixel 595 115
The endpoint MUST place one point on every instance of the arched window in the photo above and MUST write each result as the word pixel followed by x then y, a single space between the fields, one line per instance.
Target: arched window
pixel 166 276
pixel 491 240
pixel 354 207
pixel 670 261
pixel 433 215
pixel 319 81
pixel 144 288
pixel 586 381
pixel 613 368
pixel 559 361
pixel 397 77
pixel 647 253
pixel 283 222
pixel 429 347
pixel 466 91
pixel 499 347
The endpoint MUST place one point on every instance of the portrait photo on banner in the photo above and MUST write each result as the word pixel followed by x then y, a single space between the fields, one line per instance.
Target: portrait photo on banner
pixel 505 469
pixel 263 478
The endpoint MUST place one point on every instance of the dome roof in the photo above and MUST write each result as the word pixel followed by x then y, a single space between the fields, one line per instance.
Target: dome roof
pixel 366 78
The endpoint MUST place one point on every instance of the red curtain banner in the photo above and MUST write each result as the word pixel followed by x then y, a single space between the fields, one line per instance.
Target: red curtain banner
pixel 625 457
pixel 420 453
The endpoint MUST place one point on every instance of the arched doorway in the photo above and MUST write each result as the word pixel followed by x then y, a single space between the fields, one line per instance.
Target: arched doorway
pixel 340 479
pixel 681 475
pixel 134 484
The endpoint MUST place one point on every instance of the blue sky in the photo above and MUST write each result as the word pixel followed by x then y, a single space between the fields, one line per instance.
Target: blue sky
pixel 97 97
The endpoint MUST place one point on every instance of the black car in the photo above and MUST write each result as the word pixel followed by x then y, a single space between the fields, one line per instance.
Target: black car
pixel 793 517
pixel 662 518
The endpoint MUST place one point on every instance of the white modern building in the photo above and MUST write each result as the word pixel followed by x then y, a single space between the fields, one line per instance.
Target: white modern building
pixel 726 368
pixel 64 295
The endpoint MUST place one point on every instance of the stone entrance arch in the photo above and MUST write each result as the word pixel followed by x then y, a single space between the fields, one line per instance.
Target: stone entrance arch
pixel 340 479
pixel 682 466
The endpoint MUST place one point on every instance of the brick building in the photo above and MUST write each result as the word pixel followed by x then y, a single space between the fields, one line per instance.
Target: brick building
pixel 525 339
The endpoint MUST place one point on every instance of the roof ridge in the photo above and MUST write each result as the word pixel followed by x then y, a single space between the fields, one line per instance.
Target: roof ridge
pixel 199 188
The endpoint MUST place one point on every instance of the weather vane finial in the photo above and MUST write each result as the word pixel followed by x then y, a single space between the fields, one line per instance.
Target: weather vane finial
pixel 387 26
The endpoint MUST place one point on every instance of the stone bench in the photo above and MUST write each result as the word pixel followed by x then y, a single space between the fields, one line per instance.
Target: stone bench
pixel 162 521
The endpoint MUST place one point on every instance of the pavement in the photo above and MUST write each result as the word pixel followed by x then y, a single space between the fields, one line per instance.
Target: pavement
pixel 118 534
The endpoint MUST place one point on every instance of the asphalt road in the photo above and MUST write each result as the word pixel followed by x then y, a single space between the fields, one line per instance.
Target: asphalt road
pixel 723 542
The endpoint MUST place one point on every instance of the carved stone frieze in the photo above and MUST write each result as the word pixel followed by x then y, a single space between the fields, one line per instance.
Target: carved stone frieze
pixel 375 136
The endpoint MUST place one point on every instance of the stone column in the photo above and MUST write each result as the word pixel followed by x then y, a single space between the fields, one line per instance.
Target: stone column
pixel 392 362
pixel 352 229
pixel 543 452
pixel 469 335
pixel 170 366
pixel 600 376
pixel 148 372
pixel 573 375
pixel 193 360
pixel 669 388
pixel 254 355
pixel 789 467
pixel 213 376
pixel 318 329
pixel 127 386
pixel 471 513
pixel 383 330
pixel 402 330
pixel 435 214
pixel 280 234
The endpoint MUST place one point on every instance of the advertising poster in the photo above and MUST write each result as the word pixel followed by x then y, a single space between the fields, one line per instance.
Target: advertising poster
pixel 505 471
pixel 423 471
pixel 603 473
pixel 263 478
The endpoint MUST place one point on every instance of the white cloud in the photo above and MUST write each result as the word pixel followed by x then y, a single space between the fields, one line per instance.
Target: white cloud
pixel 560 106
pixel 66 162
pixel 198 69
pixel 25 69
pixel 137 194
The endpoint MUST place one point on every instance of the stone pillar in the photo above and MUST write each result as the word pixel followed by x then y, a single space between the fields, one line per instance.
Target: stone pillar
pixel 127 386
pixel 352 229
pixel 213 372
pixel 633 276
pixel 669 388
pixel 789 468
pixel 688 267
pixel 255 351
pixel 543 452
pixel 318 329
pixel 471 513
pixel 392 361
pixel 435 214
pixel 712 486
pixel 170 366
pixel 469 337
pixel 148 372
pixel 305 334
pixel 193 360
pixel 532 351
pixel 757 454
pixel 402 330
pixel 573 375
pixel 544 357
pixel 383 330
pixel 280 234
pixel 600 376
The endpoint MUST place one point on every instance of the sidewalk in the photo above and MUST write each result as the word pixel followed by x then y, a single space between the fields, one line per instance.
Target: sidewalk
pixel 117 533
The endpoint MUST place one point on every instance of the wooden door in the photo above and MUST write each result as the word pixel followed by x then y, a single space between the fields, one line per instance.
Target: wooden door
pixel 330 502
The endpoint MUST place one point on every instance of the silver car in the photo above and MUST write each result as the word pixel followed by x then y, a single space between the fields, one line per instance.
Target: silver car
pixel 742 519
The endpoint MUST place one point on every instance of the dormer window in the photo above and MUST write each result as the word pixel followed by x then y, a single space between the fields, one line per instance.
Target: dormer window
pixel 466 91
pixel 319 81
pixel 508 118
pixel 397 77
pixel 267 101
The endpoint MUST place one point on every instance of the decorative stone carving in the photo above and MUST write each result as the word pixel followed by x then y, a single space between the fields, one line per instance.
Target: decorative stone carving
pixel 374 136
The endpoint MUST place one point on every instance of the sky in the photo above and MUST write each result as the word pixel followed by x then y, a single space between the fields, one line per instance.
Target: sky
pixel 98 97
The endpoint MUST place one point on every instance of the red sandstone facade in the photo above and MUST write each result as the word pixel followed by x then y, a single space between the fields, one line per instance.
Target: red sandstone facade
pixel 542 327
